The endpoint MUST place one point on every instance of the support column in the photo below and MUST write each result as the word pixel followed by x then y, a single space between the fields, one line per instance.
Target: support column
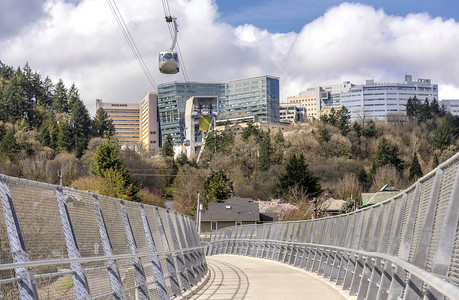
pixel 139 274
pixel 114 276
pixel 80 282
pixel 157 269
pixel 27 288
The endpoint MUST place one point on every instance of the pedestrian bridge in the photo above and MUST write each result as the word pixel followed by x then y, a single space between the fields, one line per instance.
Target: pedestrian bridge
pixel 60 243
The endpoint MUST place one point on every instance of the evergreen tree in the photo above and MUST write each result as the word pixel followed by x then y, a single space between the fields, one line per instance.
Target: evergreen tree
pixel 251 130
pixel 173 172
pixel 47 96
pixel 357 128
pixel 73 96
pixel 64 142
pixel 217 187
pixel 297 173
pixel 265 152
pixel 108 166
pixel 14 105
pixel 365 179
pixel 435 162
pixel 48 132
pixel 182 159
pixel 106 157
pixel 279 137
pixel 102 125
pixel 447 133
pixel 81 126
pixel 347 207
pixel 324 134
pixel 59 99
pixel 386 154
pixel 218 141
pixel 344 122
pixel 9 147
pixel 370 129
pixel 168 147
pixel 415 168
pixel 412 107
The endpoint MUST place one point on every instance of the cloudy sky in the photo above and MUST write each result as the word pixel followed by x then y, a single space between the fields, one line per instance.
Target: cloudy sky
pixel 304 42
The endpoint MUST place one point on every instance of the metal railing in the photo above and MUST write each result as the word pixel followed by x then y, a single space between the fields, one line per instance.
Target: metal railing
pixel 404 248
pixel 60 243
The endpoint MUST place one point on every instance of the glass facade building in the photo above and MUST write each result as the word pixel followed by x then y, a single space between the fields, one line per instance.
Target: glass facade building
pixel 256 97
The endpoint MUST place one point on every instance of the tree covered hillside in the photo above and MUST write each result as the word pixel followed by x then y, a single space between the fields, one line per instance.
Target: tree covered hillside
pixel 41 121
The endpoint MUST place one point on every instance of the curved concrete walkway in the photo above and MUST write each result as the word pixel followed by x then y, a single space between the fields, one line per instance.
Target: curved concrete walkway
pixel 240 277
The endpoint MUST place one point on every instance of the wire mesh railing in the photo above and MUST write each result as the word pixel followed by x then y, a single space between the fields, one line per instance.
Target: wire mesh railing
pixel 60 243
pixel 406 247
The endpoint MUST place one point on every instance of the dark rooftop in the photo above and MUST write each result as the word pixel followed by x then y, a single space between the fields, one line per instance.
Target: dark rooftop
pixel 233 209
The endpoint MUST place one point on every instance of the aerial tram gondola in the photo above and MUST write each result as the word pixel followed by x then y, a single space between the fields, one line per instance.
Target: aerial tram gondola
pixel 168 60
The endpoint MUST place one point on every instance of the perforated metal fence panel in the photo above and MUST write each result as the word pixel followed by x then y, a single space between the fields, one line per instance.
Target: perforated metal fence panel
pixel 60 243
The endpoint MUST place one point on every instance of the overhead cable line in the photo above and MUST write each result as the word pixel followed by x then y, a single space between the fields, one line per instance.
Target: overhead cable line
pixel 167 13
pixel 130 40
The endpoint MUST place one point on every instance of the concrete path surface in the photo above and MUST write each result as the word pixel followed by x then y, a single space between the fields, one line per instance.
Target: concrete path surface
pixel 240 277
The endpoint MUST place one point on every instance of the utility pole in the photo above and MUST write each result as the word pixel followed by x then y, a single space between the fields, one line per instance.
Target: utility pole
pixel 59 174
pixel 198 215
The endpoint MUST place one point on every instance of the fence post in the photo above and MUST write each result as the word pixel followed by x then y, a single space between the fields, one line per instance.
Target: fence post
pixel 80 282
pixel 27 288
pixel 171 269
pixel 139 273
pixel 187 256
pixel 378 267
pixel 322 264
pixel 114 276
pixel 443 255
pixel 387 270
pixel 398 275
pixel 370 246
pixel 157 269
pixel 178 255
pixel 414 285
pixel 337 262
pixel 360 259
pixel 341 274
pixel 261 242
pixel 351 263
pixel 332 253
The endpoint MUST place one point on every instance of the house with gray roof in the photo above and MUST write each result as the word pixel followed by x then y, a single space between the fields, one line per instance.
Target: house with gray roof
pixel 231 212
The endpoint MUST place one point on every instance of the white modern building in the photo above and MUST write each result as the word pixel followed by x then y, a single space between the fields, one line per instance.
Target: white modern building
pixel 378 100
pixel 451 105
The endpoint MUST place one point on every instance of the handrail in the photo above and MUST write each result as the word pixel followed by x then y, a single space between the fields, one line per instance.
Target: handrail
pixel 40 263
pixel 449 290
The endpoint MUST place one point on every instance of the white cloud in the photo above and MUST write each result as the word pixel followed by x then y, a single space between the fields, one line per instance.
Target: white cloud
pixel 81 43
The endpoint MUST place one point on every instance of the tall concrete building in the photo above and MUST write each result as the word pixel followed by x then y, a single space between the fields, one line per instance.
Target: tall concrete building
pixel 319 98
pixel 256 97
pixel 380 100
pixel 126 120
pixel 150 137
pixel 136 124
